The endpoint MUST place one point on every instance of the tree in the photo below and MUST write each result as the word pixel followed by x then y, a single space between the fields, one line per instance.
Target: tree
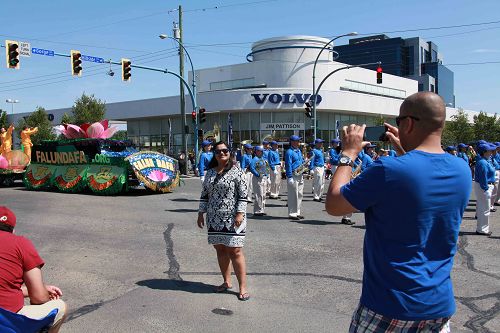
pixel 3 119
pixel 66 119
pixel 379 120
pixel 120 135
pixel 458 129
pixel 486 127
pixel 88 109
pixel 39 118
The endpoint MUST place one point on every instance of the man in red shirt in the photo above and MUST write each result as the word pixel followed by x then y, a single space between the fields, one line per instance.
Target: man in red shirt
pixel 21 276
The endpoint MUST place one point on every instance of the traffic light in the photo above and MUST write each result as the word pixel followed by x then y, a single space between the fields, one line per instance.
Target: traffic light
pixel 193 116
pixel 76 63
pixel 126 68
pixel 203 116
pixel 12 54
pixel 309 110
pixel 379 74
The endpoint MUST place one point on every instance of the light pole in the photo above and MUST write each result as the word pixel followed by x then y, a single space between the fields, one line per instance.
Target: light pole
pixel 314 76
pixel 12 102
pixel 195 104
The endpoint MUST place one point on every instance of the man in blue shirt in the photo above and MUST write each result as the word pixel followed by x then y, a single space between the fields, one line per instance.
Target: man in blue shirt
pixel 333 154
pixel 267 149
pixel 494 161
pixel 205 158
pixel 462 152
pixel 274 162
pixel 496 156
pixel 484 182
pixel 413 207
pixel 451 150
pixel 259 167
pixel 294 179
pixel 318 169
pixel 245 166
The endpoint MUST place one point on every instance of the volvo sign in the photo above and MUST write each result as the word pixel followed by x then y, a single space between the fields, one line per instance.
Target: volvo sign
pixel 296 98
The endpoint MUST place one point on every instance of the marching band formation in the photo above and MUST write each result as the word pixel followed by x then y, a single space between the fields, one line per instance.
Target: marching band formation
pixel 264 170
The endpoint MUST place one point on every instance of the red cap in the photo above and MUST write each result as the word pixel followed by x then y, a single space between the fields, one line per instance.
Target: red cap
pixel 7 216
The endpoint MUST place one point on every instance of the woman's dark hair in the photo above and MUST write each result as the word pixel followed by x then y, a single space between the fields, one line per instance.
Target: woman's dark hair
pixel 213 162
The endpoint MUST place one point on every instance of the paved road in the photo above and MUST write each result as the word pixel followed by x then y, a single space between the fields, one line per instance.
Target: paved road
pixel 138 263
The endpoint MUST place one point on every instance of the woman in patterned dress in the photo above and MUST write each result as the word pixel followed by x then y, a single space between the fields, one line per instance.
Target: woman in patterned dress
pixel 223 199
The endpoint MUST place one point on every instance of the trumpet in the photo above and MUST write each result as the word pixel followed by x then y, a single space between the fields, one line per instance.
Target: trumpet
pixel 304 167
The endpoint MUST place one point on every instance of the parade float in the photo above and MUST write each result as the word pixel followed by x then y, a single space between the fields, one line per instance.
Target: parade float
pixel 86 159
pixel 12 167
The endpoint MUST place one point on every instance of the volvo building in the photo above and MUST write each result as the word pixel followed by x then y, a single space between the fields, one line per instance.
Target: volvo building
pixel 265 97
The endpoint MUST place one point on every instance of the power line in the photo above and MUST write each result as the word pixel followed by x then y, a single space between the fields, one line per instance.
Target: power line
pixel 462 33
pixel 474 63
pixel 431 28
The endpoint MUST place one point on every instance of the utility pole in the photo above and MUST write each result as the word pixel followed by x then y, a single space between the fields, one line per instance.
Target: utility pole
pixel 178 35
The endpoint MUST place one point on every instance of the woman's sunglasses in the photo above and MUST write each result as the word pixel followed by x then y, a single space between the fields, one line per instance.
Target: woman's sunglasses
pixel 221 151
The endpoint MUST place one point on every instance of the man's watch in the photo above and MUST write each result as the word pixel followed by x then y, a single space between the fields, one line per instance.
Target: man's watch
pixel 345 160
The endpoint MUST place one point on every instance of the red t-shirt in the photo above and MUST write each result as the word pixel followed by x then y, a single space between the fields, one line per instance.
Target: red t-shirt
pixel 17 255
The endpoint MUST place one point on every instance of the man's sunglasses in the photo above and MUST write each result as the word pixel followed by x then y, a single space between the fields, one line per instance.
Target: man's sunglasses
pixel 398 119
pixel 221 151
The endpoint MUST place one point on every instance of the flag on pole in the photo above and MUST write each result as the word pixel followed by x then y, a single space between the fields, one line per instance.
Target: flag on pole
pixel 229 131
pixel 169 136
pixel 337 125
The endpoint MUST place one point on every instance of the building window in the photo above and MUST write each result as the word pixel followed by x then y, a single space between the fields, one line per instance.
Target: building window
pixel 372 89
pixel 432 87
pixel 233 84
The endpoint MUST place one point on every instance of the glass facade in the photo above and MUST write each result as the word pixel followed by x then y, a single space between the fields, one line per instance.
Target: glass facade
pixel 153 134
pixel 444 81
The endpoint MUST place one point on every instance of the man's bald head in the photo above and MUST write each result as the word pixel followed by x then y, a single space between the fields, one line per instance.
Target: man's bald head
pixel 428 107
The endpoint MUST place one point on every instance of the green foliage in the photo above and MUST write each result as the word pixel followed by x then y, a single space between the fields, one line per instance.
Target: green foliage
pixel 379 121
pixel 3 119
pixel 66 119
pixel 120 135
pixel 458 129
pixel 486 127
pixel 38 118
pixel 88 109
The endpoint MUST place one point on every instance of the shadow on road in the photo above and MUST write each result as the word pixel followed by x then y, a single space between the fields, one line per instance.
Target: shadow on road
pixel 316 222
pixel 185 200
pixel 187 286
pixel 182 210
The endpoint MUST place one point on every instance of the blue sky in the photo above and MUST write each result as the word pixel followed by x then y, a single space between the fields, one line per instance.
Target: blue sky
pixel 115 29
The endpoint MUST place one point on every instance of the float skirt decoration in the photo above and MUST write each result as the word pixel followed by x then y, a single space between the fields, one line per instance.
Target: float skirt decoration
pixel 39 176
pixel 71 178
pixel 158 172
pixel 106 179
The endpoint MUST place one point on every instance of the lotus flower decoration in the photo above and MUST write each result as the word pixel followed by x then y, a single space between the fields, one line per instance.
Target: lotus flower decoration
pixel 4 164
pixel 98 130
pixel 157 176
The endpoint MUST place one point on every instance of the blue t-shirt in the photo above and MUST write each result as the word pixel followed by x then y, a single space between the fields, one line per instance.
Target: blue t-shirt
pixel 273 158
pixel 484 172
pixel 318 158
pixel 293 159
pixel 463 156
pixel 205 159
pixel 413 208
pixel 334 157
pixel 245 161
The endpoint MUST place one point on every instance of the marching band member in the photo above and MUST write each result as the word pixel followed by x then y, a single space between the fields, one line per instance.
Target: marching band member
pixel 266 151
pixel 245 166
pixel 483 186
pixel 274 162
pixel 496 165
pixel 295 181
pixel 497 158
pixel 451 150
pixel 334 154
pixel 318 169
pixel 205 158
pixel 259 167
pixel 462 152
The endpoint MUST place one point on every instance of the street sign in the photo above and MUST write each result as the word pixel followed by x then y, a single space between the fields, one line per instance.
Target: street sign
pixel 24 49
pixel 49 53
pixel 92 59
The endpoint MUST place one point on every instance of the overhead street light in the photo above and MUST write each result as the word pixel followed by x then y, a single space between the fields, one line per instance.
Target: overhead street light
pixel 313 101
pixel 12 102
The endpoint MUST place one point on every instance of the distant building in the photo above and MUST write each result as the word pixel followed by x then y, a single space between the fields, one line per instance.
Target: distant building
pixel 413 58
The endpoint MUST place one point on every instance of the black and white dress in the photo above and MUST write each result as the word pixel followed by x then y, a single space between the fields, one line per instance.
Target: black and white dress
pixel 223 195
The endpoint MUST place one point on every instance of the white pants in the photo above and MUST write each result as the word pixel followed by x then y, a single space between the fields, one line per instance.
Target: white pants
pixel 202 178
pixel 482 207
pixel 295 188
pixel 494 193
pixel 275 181
pixel 259 188
pixel 318 182
pixel 249 176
